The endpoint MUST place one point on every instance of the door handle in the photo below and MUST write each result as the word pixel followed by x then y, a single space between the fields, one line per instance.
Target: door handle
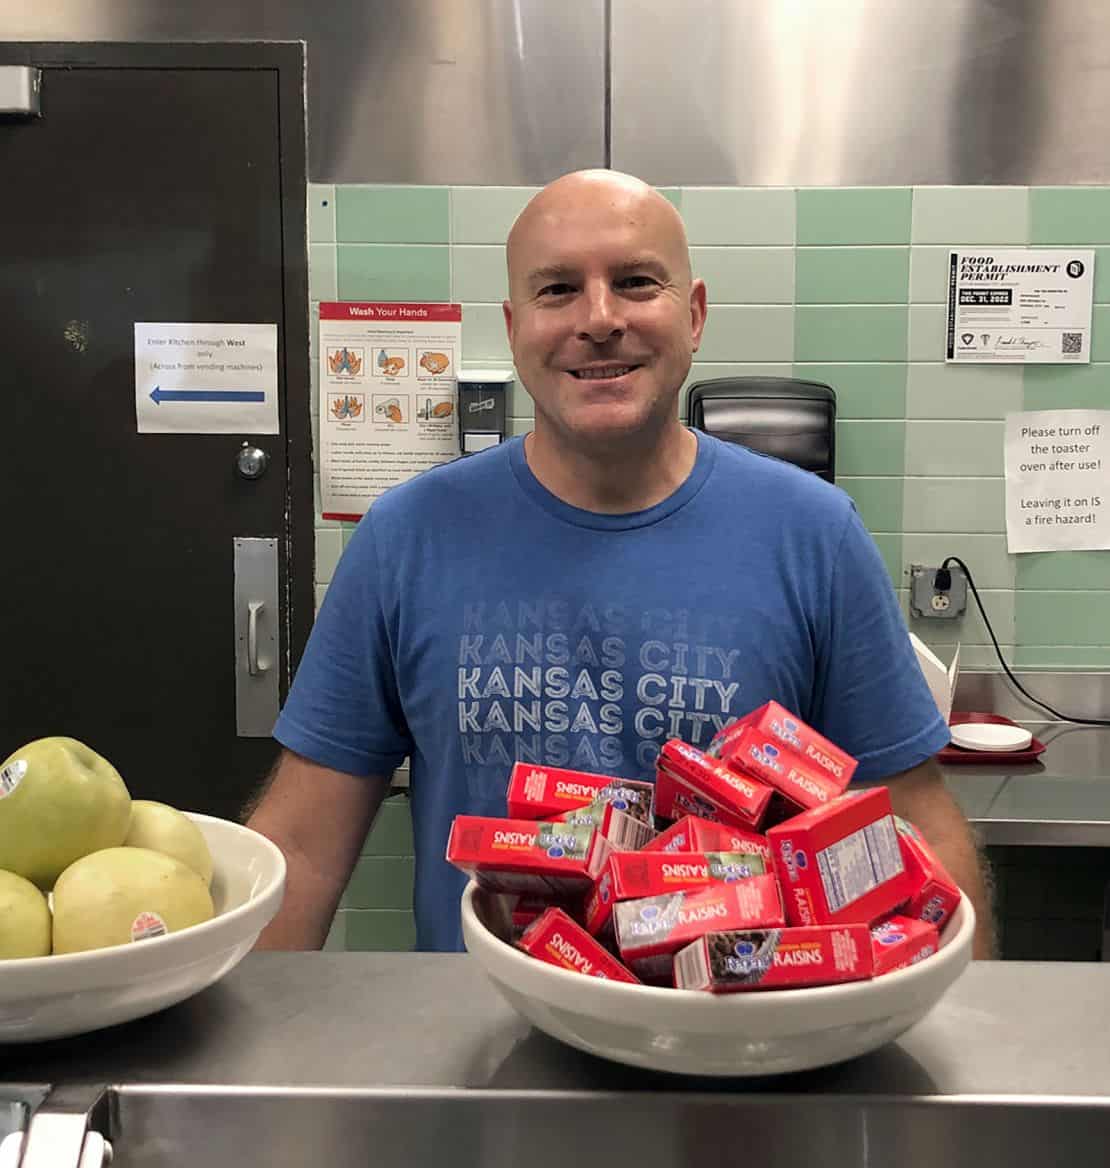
pixel 20 91
pixel 254 666
pixel 257 636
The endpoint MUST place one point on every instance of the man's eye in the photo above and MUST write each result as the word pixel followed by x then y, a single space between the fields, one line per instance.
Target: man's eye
pixel 556 290
pixel 638 282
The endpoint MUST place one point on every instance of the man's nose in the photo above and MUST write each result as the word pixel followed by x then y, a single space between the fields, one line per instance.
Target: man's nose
pixel 601 314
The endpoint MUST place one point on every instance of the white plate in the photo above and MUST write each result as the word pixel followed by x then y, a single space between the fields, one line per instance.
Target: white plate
pixel 53 997
pixel 696 1033
pixel 990 736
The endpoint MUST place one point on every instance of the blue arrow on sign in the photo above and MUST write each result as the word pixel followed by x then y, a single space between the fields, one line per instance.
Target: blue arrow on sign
pixel 159 395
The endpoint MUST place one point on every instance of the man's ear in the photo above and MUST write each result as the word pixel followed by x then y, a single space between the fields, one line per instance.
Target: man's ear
pixel 698 310
pixel 507 310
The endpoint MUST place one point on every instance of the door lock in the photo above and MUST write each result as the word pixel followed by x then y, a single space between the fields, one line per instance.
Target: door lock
pixel 251 462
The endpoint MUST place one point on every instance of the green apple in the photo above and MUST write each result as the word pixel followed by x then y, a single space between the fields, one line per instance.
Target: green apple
pixel 162 828
pixel 121 895
pixel 24 918
pixel 59 800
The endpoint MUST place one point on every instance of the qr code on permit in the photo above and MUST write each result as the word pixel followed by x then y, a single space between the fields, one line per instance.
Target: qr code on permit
pixel 1073 342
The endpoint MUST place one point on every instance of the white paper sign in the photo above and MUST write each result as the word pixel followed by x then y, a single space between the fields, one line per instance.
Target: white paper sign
pixel 388 398
pixel 206 378
pixel 1019 306
pixel 1056 480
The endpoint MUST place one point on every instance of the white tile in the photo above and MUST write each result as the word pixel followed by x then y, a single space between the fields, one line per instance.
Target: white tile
pixel 746 275
pixel 484 338
pixel 970 215
pixel 926 332
pixel 322 271
pixel 318 503
pixel 734 215
pixel 748 333
pixel 329 547
pixel 929 275
pixel 954 448
pixel 937 390
pixel 954 504
pixel 478 274
pixel 485 214
pixel 321 213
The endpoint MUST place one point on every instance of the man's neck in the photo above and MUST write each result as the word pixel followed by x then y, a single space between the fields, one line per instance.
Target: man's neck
pixel 619 479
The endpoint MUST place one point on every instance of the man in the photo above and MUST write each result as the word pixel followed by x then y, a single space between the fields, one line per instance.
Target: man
pixel 577 597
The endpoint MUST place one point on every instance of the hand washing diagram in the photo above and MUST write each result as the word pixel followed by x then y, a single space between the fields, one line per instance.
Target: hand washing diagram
pixel 393 410
pixel 347 407
pixel 392 362
pixel 403 355
pixel 345 362
pixel 437 410
pixel 434 362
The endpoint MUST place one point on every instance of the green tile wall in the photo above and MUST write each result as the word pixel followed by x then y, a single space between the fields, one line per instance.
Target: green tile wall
pixel 376 909
pixel 844 286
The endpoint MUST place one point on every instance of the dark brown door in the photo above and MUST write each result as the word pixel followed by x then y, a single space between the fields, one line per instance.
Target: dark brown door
pixel 163 184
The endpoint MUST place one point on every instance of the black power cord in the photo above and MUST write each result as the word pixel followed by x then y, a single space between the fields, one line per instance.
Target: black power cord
pixel 942 582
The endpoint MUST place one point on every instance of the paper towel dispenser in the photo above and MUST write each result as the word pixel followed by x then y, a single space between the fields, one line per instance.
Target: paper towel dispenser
pixel 793 420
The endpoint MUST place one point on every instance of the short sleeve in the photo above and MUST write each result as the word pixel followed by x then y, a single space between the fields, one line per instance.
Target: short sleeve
pixel 870 696
pixel 343 709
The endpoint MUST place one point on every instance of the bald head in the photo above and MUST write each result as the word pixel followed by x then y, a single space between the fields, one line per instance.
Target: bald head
pixel 593 195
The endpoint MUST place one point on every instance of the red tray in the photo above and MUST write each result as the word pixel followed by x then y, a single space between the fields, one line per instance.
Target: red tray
pixel 959 756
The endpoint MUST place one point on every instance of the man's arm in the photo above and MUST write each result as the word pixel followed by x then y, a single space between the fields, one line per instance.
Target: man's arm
pixel 920 796
pixel 319 818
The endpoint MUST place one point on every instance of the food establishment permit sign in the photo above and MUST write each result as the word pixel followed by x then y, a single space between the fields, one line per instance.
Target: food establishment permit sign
pixel 1019 306
pixel 388 398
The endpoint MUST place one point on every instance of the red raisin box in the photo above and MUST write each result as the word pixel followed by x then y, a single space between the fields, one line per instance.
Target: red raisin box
pixel 728 962
pixel 900 941
pixel 775 721
pixel 636 875
pixel 523 855
pixel 625 832
pixel 694 834
pixel 689 782
pixel 650 931
pixel 841 863
pixel 525 910
pixel 935 894
pixel 556 939
pixel 537 792
pixel 750 752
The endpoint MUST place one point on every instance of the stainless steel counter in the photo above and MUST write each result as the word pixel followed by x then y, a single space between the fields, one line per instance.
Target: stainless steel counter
pixel 399 1059
pixel 1062 799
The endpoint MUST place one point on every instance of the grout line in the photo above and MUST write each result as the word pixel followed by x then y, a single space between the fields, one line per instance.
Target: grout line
pixel 451 248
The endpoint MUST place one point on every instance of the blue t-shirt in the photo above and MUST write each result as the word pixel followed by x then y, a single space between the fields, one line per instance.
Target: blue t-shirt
pixel 476 619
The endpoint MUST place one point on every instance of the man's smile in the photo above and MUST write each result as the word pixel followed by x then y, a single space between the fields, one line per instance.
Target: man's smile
pixel 608 372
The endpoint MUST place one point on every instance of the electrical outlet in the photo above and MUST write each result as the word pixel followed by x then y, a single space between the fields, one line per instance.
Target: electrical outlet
pixel 927 602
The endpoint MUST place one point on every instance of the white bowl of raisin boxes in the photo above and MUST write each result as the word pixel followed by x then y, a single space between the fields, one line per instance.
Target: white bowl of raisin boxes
pixel 55 997
pixel 697 1033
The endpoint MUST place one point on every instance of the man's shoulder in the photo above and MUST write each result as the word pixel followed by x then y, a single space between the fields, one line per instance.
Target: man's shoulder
pixel 448 485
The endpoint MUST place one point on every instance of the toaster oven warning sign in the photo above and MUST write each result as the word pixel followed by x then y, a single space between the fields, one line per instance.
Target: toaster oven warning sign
pixel 1019 306
pixel 388 398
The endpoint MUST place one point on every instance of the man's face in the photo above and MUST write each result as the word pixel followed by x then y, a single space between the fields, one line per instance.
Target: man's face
pixel 603 318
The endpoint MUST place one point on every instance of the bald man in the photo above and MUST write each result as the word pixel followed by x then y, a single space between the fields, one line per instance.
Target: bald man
pixel 577 596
